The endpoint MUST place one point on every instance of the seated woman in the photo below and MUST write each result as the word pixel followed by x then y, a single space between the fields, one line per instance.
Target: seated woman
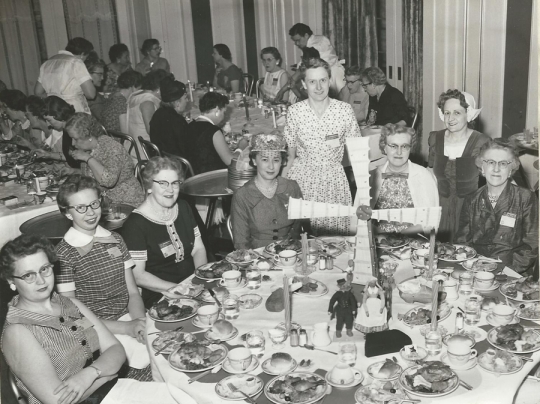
pixel 91 256
pixel 115 109
pixel 104 159
pixel 50 138
pixel 500 219
pixel 162 235
pixel 168 127
pixel 207 149
pixel 354 94
pixel 151 49
pixel 228 76
pixel 275 77
pixel 400 183
pixel 259 208
pixel 96 68
pixel 58 350
pixel 120 63
pixel 295 83
pixel 14 102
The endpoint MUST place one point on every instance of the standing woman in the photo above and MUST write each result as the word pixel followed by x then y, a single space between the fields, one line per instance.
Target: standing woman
pixel 115 109
pixel 96 68
pixel 452 156
pixel 315 132
pixel 151 49
pixel 228 76
pixel 275 77
pixel 120 63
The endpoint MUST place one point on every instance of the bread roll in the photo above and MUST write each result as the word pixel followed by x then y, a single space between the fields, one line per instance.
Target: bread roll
pixel 281 361
pixel 222 327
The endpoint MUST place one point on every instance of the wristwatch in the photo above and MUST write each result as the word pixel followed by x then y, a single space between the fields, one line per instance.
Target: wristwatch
pixel 98 371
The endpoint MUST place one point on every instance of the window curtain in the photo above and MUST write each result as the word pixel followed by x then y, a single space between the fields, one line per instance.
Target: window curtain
pixel 412 59
pixel 94 20
pixel 351 27
pixel 19 50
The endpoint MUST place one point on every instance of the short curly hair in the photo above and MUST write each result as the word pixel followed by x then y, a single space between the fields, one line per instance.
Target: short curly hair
pixel 85 125
pixel 316 62
pixel 36 106
pixel 391 129
pixel 498 144
pixel 157 164
pixel 153 79
pixel 147 45
pixel 252 154
pixel 211 100
pixel 116 51
pixel 20 247
pixel 274 52
pixel 353 71
pixel 130 78
pixel 374 75
pixel 448 95
pixel 58 108
pixel 73 184
pixel 224 51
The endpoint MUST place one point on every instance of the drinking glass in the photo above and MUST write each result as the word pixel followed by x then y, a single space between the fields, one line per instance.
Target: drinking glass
pixel 472 310
pixel 277 336
pixel 255 342
pixel 253 276
pixel 230 307
pixel 347 353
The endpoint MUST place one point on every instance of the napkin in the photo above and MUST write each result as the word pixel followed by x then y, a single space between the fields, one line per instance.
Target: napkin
pixel 135 392
pixel 137 353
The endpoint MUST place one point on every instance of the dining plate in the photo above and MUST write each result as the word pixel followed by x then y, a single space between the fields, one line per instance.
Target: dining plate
pixel 444 311
pixel 391 241
pixel 471 363
pixel 469 265
pixel 453 383
pixel 471 253
pixel 379 393
pixel 187 289
pixel 269 369
pixel 214 270
pixel 488 289
pixel 249 384
pixel 492 339
pixel 182 312
pixel 283 245
pixel 179 338
pixel 530 311
pixel 508 290
pixel 241 258
pixel 373 371
pixel 219 351
pixel 211 335
pixel 321 290
pixel 512 364
pixel 276 389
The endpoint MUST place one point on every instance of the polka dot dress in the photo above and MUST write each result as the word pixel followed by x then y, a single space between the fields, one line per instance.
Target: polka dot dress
pixel 320 143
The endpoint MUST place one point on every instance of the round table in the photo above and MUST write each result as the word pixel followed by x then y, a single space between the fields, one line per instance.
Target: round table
pixel 518 139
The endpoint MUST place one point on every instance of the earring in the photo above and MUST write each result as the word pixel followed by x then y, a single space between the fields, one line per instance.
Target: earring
pixel 12 287
pixel 217 113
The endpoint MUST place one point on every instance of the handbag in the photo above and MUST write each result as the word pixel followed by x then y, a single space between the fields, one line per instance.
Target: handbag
pixel 385 342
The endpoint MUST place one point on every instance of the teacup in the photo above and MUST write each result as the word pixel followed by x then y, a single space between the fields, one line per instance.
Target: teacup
pixel 231 279
pixel 43 182
pixel 484 280
pixel 342 373
pixel 287 258
pixel 458 359
pixel 503 314
pixel 240 358
pixel 459 350
pixel 208 314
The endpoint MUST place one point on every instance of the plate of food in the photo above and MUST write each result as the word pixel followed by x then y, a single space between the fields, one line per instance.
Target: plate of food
pixel 522 290
pixel 454 252
pixel 287 244
pixel 514 338
pixel 430 379
pixel 310 287
pixel 385 370
pixel 380 393
pixel 296 387
pixel 221 330
pixel 171 310
pixel 187 289
pixel 422 315
pixel 242 258
pixel 500 362
pixel 279 363
pixel 479 264
pixel 248 384
pixel 391 241
pixel 530 311
pixel 178 338
pixel 214 270
pixel 197 356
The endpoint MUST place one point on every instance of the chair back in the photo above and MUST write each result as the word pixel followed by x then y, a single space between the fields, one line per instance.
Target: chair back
pixel 248 83
pixel 139 167
pixel 229 227
pixel 13 384
pixel 187 164
pixel 414 117
pixel 258 91
pixel 149 149
pixel 123 138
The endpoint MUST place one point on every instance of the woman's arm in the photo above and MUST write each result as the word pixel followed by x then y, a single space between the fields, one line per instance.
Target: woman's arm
pixel 199 253
pixel 123 123
pixel 149 281
pixel 222 148
pixel 291 157
pixel 147 110
pixel 39 90
pixel 88 89
pixel 240 222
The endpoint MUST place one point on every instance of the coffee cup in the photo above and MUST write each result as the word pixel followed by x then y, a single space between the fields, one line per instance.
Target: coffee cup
pixel 461 359
pixel 503 314
pixel 240 358
pixel 287 258
pixel 342 373
pixel 484 280
pixel 43 183
pixel 208 314
pixel 459 351
pixel 231 279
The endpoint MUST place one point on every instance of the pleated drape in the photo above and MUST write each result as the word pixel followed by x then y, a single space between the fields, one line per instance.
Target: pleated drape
pixel 351 27
pixel 412 59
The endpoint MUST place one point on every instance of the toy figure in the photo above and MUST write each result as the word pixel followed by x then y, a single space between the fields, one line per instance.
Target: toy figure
pixel 372 316
pixel 345 309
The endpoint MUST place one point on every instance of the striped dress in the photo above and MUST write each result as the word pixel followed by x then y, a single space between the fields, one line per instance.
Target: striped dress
pixel 70 346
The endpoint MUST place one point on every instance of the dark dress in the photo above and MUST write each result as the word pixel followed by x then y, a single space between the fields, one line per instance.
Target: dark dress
pixel 165 246
pixel 391 107
pixel 201 152
pixel 168 131
pixel 115 106
pixel 456 179
pixel 67 144
pixel 232 73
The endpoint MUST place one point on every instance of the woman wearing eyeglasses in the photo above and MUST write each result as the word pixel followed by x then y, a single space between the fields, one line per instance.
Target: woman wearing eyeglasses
pixel 96 68
pixel 500 220
pixel 354 94
pixel 400 183
pixel 162 235
pixel 151 50
pixel 104 159
pixel 58 350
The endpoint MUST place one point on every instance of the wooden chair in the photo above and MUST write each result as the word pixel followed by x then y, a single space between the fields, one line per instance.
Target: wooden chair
pixel 122 138
pixel 13 384
pixel 184 161
pixel 150 149
pixel 248 83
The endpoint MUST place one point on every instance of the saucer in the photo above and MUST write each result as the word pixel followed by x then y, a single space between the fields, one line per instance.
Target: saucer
pixel 240 286
pixel 471 363
pixel 491 320
pixel 211 336
pixel 355 382
pixel 198 324
pixel 226 366
pixel 492 287
pixel 268 369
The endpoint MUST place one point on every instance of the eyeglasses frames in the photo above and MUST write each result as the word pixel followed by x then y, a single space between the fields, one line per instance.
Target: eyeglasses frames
pixel 83 208
pixel 394 147
pixel 364 85
pixel 31 277
pixel 494 164
pixel 165 184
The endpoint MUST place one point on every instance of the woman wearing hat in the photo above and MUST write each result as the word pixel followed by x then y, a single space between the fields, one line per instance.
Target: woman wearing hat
pixel 452 155
pixel 259 208
pixel 168 127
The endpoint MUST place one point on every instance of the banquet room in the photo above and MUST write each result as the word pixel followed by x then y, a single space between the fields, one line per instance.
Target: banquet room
pixel 269 201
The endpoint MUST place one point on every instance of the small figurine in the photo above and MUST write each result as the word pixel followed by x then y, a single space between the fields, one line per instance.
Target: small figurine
pixel 345 309
pixel 372 316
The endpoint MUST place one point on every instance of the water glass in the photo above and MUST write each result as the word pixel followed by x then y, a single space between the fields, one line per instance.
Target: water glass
pixel 253 276
pixel 472 310
pixel 231 307
pixel 347 353
pixel 277 336
pixel 255 342
pixel 31 187
pixel 434 342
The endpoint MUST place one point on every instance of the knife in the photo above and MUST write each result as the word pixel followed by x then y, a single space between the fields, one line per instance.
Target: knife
pixel 213 294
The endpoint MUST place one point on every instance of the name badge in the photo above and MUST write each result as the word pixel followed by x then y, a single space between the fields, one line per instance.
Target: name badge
pixel 332 140
pixel 275 81
pixel 114 252
pixel 167 249
pixel 508 219
pixel 84 323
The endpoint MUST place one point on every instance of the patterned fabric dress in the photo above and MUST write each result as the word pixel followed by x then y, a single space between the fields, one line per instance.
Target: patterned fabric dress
pixel 395 194
pixel 320 143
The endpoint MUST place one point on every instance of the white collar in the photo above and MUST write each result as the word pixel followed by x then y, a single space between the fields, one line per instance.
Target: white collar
pixel 77 239
pixel 65 52
pixel 206 119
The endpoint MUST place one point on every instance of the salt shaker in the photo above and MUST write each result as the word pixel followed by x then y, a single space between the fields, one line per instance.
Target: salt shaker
pixel 459 323
pixel 295 338
pixel 302 338
pixel 322 262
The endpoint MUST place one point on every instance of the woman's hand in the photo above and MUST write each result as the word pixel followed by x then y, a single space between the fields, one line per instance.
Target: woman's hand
pixel 40 153
pixel 136 329
pixel 80 155
pixel 73 387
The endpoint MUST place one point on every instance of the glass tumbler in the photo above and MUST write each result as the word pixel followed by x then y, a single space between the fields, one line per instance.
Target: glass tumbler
pixel 472 310
pixel 347 353
pixel 255 342
pixel 231 307
pixel 253 276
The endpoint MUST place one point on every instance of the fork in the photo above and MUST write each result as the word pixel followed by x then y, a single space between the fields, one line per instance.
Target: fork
pixel 159 332
pixel 234 389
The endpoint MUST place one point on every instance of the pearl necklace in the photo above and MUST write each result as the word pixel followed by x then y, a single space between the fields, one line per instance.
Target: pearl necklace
pixel 493 198
pixel 270 191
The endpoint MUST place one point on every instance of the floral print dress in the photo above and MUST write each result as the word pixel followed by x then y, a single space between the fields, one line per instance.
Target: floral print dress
pixel 395 194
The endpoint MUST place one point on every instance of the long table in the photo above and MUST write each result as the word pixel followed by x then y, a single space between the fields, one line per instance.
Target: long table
pixel 487 387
